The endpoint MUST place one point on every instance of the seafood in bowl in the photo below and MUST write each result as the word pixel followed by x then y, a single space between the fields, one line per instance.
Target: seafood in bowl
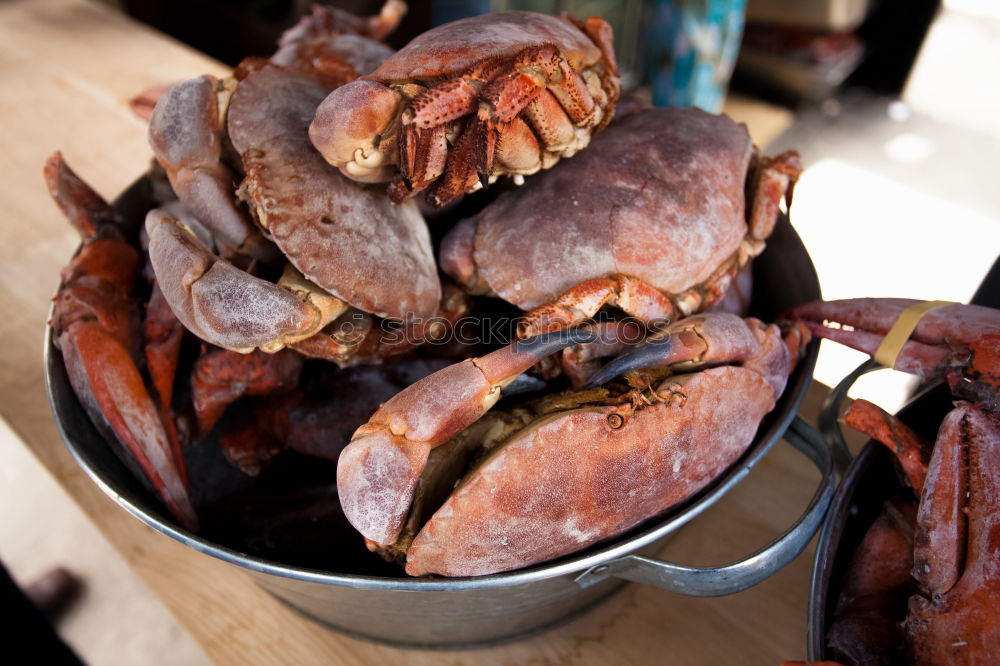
pixel 469 101
pixel 252 402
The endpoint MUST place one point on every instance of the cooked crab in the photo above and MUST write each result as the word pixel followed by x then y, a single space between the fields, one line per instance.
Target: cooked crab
pixel 684 203
pixel 439 481
pixel 462 104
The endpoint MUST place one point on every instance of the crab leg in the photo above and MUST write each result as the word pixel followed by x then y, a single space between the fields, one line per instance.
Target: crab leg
pixel 221 377
pixel 635 297
pixel 601 34
pixel 460 173
pixel 378 472
pixel 502 99
pixel 571 91
pixel 912 452
pixel 336 47
pixel 550 122
pixel 384 23
pixel 423 155
pixel 424 125
pixel 773 179
pixel 960 343
pixel 519 153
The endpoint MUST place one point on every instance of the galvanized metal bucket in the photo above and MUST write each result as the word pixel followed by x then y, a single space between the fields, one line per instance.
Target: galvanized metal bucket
pixel 438 612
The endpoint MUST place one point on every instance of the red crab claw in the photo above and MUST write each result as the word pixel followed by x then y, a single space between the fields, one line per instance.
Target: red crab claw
pixel 711 338
pixel 957 545
pixel 960 343
pixel 221 377
pixel 378 471
pixel 96 325
pixel 911 451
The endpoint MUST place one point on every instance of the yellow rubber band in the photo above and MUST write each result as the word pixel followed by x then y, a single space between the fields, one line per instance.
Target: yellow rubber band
pixel 902 329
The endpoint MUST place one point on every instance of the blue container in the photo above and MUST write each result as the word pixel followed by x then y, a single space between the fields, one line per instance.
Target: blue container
pixel 691 50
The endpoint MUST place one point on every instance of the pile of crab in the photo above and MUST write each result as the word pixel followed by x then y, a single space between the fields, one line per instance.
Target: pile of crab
pixel 285 298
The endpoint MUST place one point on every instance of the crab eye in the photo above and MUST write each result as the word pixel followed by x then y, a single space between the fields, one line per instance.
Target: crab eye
pixel 616 421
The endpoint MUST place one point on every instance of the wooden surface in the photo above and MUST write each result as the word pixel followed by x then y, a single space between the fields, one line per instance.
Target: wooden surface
pixel 67 70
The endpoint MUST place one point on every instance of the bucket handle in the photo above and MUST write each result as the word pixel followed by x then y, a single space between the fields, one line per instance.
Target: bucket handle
pixel 737 576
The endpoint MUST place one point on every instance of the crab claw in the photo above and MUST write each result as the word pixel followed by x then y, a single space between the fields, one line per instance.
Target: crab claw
pixel 202 291
pixel 960 343
pixel 709 338
pixel 911 451
pixel 96 326
pixel 378 471
pixel 348 129
pixel 111 389
pixel 957 544
pixel 185 133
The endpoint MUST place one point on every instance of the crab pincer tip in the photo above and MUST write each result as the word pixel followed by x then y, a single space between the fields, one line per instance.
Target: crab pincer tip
pixel 650 353
pixel 544 344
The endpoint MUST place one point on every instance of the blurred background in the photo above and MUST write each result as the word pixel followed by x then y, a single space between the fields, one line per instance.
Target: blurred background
pixel 893 105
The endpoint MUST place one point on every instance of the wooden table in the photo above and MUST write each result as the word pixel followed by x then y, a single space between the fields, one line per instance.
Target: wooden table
pixel 67 70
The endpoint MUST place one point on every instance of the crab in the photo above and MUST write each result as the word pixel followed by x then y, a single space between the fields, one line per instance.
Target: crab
pixel 955 556
pixel 336 47
pixel 96 324
pixel 439 481
pixel 315 419
pixel 685 202
pixel 329 44
pixel 467 102
pixel 349 248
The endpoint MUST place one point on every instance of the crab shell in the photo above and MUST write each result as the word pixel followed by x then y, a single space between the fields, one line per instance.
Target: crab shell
pixel 552 476
pixel 453 48
pixel 658 196
pixel 575 479
pixel 352 124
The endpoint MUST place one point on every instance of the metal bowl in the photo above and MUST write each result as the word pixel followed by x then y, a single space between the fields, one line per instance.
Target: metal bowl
pixel 867 483
pixel 389 607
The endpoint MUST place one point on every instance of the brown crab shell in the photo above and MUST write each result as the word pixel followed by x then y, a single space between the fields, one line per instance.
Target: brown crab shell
pixel 659 195
pixel 348 239
pixel 453 48
pixel 573 479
